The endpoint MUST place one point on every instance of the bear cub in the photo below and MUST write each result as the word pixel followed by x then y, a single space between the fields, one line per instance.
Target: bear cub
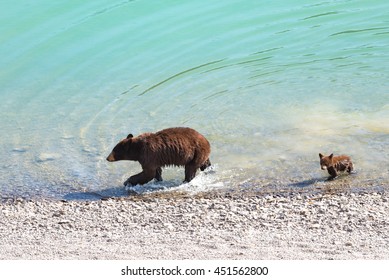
pixel 178 146
pixel 334 164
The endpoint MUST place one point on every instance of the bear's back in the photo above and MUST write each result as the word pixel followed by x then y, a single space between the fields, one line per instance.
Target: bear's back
pixel 341 162
pixel 174 146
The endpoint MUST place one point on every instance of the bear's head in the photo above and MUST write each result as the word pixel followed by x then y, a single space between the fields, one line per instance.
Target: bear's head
pixel 127 149
pixel 326 161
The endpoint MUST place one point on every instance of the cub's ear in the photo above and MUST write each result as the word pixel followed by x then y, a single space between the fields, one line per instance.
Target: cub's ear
pixel 331 155
pixel 130 136
pixel 320 155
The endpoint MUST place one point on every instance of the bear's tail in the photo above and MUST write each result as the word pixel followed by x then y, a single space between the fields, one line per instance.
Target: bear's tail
pixel 205 165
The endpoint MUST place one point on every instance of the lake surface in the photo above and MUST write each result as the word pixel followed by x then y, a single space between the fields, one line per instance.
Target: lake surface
pixel 269 83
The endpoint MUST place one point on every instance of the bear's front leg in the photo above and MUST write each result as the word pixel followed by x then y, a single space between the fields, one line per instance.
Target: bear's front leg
pixel 331 170
pixel 190 172
pixel 350 168
pixel 141 178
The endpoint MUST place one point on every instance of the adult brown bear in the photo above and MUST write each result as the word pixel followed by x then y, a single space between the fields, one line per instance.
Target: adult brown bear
pixel 179 146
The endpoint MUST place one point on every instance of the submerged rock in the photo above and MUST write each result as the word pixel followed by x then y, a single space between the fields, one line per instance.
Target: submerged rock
pixel 44 157
pixel 19 150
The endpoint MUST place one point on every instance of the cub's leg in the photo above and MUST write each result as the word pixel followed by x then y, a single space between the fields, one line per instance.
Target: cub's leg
pixel 350 167
pixel 331 170
pixel 141 178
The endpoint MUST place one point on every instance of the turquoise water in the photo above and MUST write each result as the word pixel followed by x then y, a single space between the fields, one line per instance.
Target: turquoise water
pixel 269 83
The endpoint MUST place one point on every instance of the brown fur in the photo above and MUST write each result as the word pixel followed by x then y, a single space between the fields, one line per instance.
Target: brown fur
pixel 179 146
pixel 334 164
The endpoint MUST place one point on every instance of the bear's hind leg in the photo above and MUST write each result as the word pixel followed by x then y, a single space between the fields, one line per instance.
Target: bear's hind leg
pixel 141 178
pixel 158 174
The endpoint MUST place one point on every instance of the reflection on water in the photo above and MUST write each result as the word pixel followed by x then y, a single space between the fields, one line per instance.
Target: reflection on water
pixel 269 85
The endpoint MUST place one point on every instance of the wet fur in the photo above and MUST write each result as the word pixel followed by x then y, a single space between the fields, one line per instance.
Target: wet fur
pixel 335 164
pixel 169 147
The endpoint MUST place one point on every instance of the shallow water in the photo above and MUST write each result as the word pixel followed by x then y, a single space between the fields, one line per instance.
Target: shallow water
pixel 269 84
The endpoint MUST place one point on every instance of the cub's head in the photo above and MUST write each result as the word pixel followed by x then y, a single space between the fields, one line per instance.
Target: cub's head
pixel 325 161
pixel 124 150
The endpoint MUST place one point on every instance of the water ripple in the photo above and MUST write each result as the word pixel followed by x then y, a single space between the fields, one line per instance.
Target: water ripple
pixel 359 31
pixel 180 74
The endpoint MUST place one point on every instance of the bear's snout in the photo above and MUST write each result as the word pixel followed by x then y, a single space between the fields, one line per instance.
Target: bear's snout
pixel 111 157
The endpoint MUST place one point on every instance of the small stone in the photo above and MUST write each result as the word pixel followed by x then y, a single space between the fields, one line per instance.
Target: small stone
pixel 169 226
pixel 315 226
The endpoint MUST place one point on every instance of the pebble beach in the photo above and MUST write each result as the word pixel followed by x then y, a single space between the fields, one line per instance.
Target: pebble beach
pixel 340 226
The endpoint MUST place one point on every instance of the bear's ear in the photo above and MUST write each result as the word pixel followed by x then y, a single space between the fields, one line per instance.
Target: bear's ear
pixel 130 136
pixel 331 155
pixel 320 155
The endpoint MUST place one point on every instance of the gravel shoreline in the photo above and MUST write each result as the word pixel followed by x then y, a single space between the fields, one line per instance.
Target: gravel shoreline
pixel 245 226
